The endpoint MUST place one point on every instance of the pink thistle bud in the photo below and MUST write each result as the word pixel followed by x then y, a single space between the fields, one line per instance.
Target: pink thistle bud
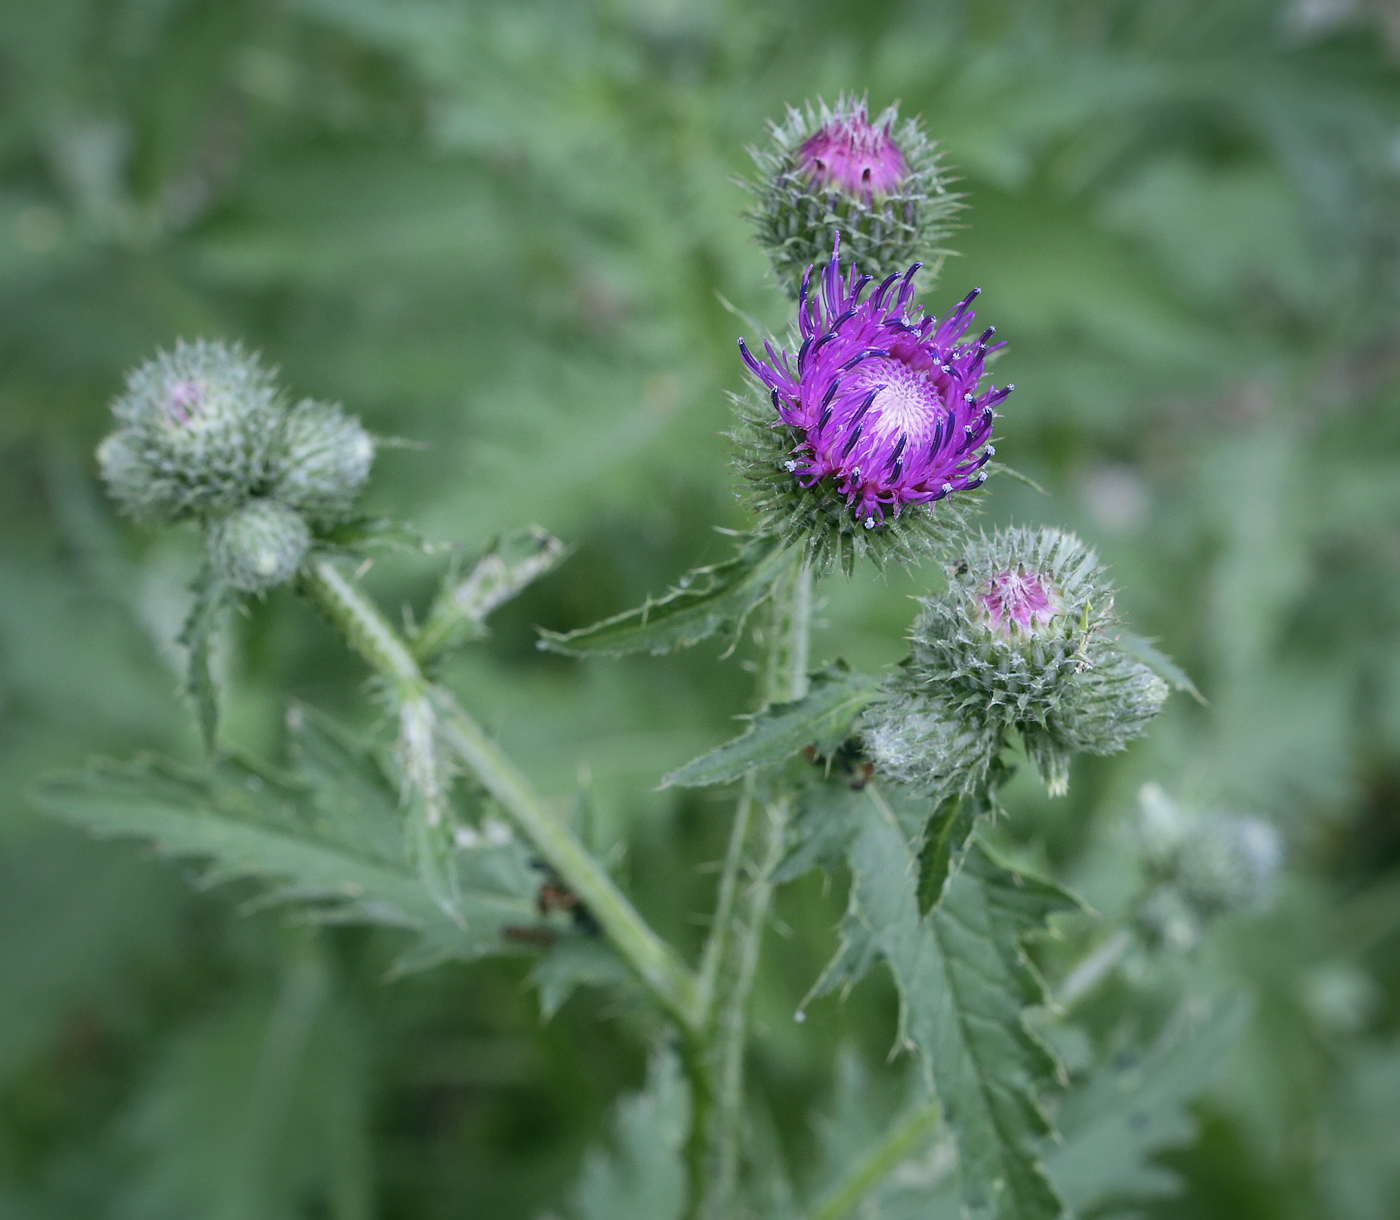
pixel 1019 598
pixel 850 153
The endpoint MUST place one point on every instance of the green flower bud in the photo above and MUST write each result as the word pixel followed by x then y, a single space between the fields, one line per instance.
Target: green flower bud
pixel 914 742
pixel 324 463
pixel 1024 639
pixel 1204 863
pixel 830 169
pixel 258 546
pixel 199 427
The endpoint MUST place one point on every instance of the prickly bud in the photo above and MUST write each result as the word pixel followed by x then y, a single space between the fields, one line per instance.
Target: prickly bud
pixel 913 741
pixel 258 545
pixel 829 168
pixel 199 427
pixel 324 462
pixel 1024 639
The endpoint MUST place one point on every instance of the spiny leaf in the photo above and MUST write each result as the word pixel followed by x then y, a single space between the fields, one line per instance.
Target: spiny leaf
pixel 197 635
pixel 964 983
pixel 708 601
pixel 1159 663
pixel 642 1177
pixel 1134 1105
pixel 511 561
pixel 250 824
pixel 945 841
pixel 822 717
pixel 576 961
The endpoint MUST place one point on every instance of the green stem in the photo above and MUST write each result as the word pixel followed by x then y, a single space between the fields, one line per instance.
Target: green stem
pixel 729 966
pixel 370 634
pixel 872 1169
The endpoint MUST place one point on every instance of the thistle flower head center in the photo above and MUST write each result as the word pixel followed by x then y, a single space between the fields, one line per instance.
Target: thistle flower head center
pixel 1019 599
pixel 888 404
pixel 851 153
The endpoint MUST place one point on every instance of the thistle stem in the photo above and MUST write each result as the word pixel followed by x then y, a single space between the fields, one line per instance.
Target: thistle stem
pixel 369 633
pixel 729 966
pixel 1093 968
pixel 867 1173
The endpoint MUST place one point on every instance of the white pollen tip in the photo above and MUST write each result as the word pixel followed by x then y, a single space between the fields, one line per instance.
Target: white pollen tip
pixel 870 523
pixel 791 466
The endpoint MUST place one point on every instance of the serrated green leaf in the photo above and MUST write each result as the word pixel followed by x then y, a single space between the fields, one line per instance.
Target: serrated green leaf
pixel 945 842
pixel 510 563
pixel 249 824
pixel 642 1176
pixel 1159 663
pixel 708 601
pixel 366 533
pixel 822 717
pixel 964 984
pixel 197 635
pixel 1134 1105
pixel 577 961
pixel 820 832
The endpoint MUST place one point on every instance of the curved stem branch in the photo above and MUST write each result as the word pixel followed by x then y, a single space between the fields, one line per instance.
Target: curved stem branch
pixel 370 634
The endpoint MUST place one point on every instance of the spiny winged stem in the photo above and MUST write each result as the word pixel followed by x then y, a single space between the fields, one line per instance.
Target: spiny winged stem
pixel 370 634
pixel 730 962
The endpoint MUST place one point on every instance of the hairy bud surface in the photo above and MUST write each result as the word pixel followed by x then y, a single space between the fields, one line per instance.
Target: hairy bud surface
pixel 258 546
pixel 324 462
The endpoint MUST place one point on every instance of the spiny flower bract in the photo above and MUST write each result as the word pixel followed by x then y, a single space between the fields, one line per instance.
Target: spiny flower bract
pixel 829 169
pixel 879 415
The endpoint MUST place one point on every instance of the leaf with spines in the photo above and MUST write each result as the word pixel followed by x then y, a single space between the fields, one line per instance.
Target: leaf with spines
pixel 823 718
pixel 249 823
pixel 713 600
pixel 1144 650
pixel 946 839
pixel 510 563
pixel 1134 1105
pixel 642 1176
pixel 197 635
pixel 964 983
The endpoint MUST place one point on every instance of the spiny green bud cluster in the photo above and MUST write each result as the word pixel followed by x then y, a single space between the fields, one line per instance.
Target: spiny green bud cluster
pixel 829 169
pixel 1201 865
pixel 205 434
pixel 1024 640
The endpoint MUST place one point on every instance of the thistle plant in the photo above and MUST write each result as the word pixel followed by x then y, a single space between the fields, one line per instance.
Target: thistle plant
pixel 866 439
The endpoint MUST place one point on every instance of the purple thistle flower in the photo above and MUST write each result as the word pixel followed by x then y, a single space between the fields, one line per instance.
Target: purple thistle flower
pixel 851 153
pixel 886 400
pixel 1018 597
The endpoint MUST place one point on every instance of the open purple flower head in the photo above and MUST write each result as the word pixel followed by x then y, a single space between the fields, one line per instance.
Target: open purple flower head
pixel 852 153
pixel 888 404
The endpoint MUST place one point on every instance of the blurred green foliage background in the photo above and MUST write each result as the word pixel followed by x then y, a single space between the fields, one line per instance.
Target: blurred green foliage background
pixel 508 232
